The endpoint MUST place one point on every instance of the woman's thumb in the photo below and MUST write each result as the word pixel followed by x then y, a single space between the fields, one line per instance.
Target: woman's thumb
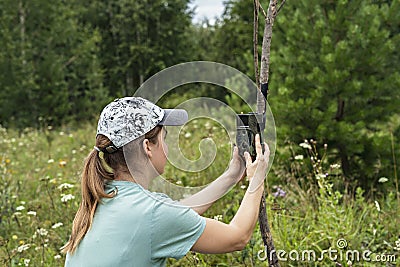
pixel 247 158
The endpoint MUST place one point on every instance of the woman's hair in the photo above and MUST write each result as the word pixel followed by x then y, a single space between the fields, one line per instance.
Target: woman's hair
pixel 94 175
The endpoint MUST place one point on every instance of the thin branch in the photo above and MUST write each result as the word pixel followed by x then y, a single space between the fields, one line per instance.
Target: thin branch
pixel 255 42
pixel 280 6
pixel 263 11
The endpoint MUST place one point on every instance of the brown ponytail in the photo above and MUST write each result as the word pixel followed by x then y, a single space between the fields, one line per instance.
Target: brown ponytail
pixel 94 174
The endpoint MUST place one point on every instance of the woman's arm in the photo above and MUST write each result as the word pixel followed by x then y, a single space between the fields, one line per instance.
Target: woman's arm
pixel 203 199
pixel 219 237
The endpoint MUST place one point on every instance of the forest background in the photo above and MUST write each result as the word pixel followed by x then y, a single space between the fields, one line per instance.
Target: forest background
pixel 334 93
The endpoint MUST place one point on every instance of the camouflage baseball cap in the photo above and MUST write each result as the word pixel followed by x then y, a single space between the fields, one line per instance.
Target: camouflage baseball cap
pixel 126 119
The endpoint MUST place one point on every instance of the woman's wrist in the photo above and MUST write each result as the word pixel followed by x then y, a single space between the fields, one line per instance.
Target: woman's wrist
pixel 232 176
pixel 255 183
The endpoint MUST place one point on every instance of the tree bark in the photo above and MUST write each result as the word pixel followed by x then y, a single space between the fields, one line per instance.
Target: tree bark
pixel 261 107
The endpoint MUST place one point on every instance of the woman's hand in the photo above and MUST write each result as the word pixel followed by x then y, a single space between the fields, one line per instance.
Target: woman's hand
pixel 256 170
pixel 236 169
pixel 235 235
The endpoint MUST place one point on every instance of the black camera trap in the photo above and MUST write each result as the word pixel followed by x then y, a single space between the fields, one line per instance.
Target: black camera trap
pixel 248 125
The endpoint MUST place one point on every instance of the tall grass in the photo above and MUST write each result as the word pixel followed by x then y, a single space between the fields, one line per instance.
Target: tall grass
pixel 310 206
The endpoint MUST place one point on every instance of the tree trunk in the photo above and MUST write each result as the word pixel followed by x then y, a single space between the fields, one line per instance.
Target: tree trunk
pixel 261 106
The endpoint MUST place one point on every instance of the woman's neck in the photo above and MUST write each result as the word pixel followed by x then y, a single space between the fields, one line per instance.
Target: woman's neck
pixel 128 177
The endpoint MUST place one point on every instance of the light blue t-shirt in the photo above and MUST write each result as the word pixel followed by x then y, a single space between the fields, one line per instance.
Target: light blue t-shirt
pixel 137 228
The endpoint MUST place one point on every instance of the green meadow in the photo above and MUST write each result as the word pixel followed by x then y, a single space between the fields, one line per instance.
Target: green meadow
pixel 314 219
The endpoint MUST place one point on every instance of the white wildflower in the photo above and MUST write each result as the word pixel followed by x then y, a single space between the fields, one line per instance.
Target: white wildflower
pixel 187 135
pixel 26 262
pixel 378 207
pixel 42 231
pixel 57 257
pixel 50 161
pixel 56 225
pixel 383 180
pixel 335 166
pixel 305 145
pixel 19 208
pixel 31 212
pixel 66 198
pixel 218 217
pixel 23 247
pixel 65 186
pixel 320 176
pixel 299 157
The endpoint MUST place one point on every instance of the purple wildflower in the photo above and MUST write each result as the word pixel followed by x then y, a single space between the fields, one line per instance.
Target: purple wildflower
pixel 279 192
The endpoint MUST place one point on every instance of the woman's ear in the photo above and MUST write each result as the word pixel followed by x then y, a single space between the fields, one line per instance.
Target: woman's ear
pixel 147 147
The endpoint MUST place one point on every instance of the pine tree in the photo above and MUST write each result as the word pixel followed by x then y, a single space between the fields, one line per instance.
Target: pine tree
pixel 335 78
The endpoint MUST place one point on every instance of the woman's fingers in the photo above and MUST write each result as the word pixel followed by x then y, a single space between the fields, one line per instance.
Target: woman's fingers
pixel 258 146
pixel 235 151
pixel 266 150
pixel 247 158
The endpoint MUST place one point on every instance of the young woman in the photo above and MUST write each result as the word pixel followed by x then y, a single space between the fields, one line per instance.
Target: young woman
pixel 121 223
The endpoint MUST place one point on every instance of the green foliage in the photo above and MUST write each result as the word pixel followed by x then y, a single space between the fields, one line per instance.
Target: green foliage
pixel 234 36
pixel 68 59
pixel 335 79
pixel 334 76
pixel 48 64
pixel 139 38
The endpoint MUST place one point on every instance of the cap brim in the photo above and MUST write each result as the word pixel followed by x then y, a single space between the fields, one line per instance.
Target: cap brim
pixel 174 117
